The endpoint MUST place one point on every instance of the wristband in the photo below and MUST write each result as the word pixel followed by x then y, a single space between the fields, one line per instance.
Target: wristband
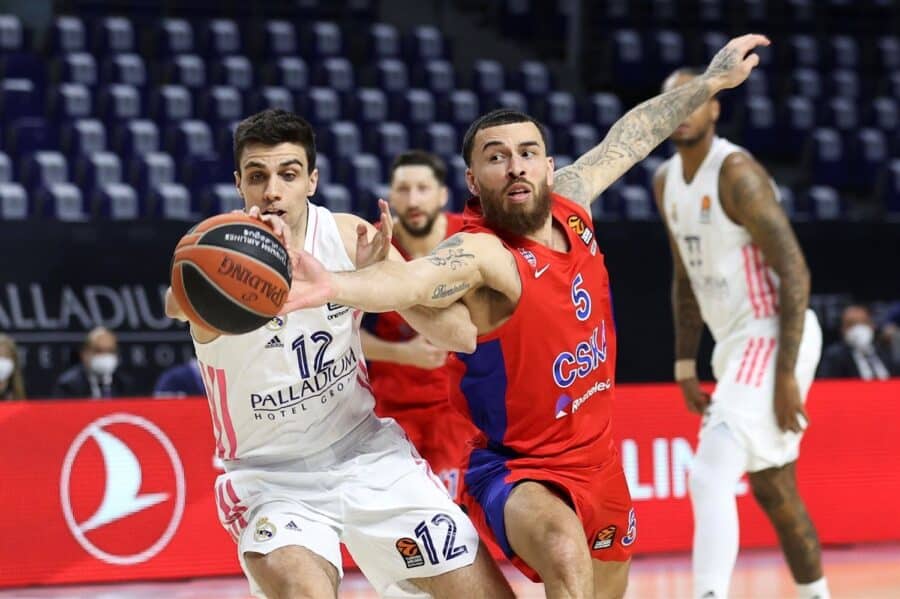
pixel 685 369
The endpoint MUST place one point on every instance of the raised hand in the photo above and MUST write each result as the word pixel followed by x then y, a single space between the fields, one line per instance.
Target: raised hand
pixel 376 250
pixel 732 64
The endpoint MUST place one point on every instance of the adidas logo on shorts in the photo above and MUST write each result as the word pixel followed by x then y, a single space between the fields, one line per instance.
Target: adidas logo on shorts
pixel 274 342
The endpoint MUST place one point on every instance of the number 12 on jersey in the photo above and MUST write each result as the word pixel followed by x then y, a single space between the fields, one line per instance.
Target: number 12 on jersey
pixel 449 550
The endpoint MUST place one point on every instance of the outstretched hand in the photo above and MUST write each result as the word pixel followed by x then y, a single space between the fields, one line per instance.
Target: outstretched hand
pixel 369 252
pixel 311 284
pixel 732 64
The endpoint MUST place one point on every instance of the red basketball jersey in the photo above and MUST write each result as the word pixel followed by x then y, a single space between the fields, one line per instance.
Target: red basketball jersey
pixel 541 385
pixel 396 386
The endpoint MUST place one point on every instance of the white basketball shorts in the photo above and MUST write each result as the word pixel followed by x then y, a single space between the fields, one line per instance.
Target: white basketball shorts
pixel 744 367
pixel 371 491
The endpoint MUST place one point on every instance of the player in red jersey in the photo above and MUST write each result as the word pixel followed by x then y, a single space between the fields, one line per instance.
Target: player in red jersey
pixel 545 480
pixel 408 373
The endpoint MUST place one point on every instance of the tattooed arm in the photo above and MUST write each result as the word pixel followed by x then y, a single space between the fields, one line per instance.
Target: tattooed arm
pixel 647 125
pixel 748 198
pixel 685 311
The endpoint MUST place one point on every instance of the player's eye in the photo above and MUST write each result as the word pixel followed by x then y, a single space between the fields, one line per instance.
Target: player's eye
pixel 289 176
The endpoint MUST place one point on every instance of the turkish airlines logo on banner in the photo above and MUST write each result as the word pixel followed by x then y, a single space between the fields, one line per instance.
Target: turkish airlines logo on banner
pixel 122 489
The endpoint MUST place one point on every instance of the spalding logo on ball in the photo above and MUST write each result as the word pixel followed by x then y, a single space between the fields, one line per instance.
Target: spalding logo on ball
pixel 231 274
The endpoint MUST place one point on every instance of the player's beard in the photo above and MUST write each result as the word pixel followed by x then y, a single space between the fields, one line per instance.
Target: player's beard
pixel 425 228
pixel 689 142
pixel 518 219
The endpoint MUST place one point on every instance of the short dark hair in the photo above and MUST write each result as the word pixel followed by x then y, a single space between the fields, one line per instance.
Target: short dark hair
pixel 421 158
pixel 495 118
pixel 272 127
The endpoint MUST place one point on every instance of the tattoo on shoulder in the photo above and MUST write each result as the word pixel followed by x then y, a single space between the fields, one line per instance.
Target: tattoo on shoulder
pixel 450 242
pixel 569 182
pixel 448 253
pixel 442 291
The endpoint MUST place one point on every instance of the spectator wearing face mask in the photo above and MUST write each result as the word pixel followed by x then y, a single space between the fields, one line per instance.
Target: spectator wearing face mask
pixel 12 386
pixel 98 374
pixel 856 356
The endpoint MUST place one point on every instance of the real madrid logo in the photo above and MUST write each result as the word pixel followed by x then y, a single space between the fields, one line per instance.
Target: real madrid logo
pixel 265 530
pixel 277 323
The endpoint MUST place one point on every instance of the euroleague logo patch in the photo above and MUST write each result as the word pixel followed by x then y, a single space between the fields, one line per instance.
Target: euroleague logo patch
pixel 604 538
pixel 122 489
pixel 576 223
pixel 410 552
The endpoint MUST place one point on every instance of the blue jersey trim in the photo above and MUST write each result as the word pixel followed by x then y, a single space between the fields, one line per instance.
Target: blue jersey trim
pixel 484 386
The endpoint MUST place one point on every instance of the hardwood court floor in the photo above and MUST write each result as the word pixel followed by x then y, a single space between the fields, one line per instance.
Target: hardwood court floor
pixel 858 572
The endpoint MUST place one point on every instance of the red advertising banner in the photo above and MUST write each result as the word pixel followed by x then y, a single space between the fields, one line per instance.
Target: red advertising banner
pixel 123 489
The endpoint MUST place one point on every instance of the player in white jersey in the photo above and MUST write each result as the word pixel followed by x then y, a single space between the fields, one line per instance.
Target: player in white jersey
pixel 307 463
pixel 739 269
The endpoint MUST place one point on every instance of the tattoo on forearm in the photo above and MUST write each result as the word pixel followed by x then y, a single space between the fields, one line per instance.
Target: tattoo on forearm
pixel 688 321
pixel 442 291
pixel 452 258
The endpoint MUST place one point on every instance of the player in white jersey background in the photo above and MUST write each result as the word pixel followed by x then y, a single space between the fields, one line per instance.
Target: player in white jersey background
pixel 308 465
pixel 739 269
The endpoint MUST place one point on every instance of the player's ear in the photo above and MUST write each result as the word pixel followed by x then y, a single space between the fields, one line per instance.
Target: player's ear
pixel 237 182
pixel 471 184
pixel 443 196
pixel 551 164
pixel 313 183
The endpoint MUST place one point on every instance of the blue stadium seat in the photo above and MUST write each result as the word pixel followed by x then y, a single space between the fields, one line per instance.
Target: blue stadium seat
pixel 415 107
pixel 342 140
pixel 533 78
pixel 806 82
pixel 170 201
pixel 236 71
pixel 78 67
pixel 637 204
pixel 642 173
pixel 757 84
pixel 893 85
pixel 149 171
pixel 391 75
pixel 843 52
pixel 291 72
pixel 824 202
pixel 219 37
pixel 387 140
pixel 198 173
pixel 174 36
pixel 13 202
pixel 221 104
pixel 221 198
pixel 488 78
pixel 841 113
pixel 323 40
pixel 272 97
pixel 12 35
pixel 115 201
pixel 440 139
pixel 188 70
pixel 370 106
pixel 60 201
pixel 360 172
pixel 68 102
pixel 113 35
pixel 844 83
pixel 803 51
pixel 136 138
pixel 424 42
pixel 189 138
pixel 171 103
pixel 67 35
pixel 6 171
pixel 889 189
pixel 336 73
pixel 320 106
pixel 83 137
pixel 870 154
pixel 334 197
pixel 437 76
pixel 118 102
pixel 280 38
pixel 28 135
pixel 560 109
pixel 128 69
pixel 668 48
pixel 711 13
pixel 96 170
pixel 579 138
pixel 799 119
pixel 42 169
pixel 885 114
pixel 888 53
pixel 18 98
pixel 759 127
pixel 456 183
pixel 827 159
pixel 459 108
pixel 603 110
pixel 384 41
pixel 629 61
pixel 323 165
pixel 507 98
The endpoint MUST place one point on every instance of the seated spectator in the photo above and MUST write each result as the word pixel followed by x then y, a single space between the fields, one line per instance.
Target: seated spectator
pixel 180 380
pixel 889 332
pixel 12 385
pixel 98 374
pixel 856 355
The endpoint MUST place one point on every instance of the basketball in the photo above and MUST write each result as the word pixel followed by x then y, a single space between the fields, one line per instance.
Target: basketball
pixel 231 274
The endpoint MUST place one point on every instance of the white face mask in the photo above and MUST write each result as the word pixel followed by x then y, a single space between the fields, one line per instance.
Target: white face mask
pixel 104 364
pixel 6 368
pixel 859 336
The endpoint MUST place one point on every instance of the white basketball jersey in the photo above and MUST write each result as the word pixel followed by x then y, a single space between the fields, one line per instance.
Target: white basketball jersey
pixel 728 275
pixel 296 385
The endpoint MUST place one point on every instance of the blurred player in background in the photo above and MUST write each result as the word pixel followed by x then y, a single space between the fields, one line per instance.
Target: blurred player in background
pixel 739 269
pixel 406 371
